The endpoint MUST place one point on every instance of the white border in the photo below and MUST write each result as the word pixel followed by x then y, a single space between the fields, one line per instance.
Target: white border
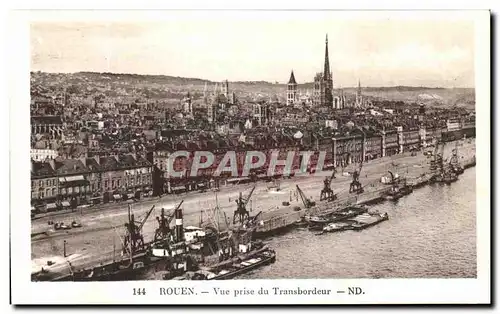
pixel 389 291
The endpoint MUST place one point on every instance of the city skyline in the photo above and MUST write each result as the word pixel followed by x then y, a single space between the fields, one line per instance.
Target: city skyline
pixel 253 47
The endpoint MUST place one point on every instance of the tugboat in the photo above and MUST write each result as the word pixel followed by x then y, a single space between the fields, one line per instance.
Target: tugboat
pixel 398 189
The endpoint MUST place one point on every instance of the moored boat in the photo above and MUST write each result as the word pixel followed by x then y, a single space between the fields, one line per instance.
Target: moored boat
pixel 366 220
pixel 234 267
pixel 320 221
pixel 338 226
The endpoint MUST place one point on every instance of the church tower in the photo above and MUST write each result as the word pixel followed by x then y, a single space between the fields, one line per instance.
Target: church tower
pixel 225 89
pixel 291 91
pixel 359 97
pixel 323 83
pixel 187 104
pixel 327 78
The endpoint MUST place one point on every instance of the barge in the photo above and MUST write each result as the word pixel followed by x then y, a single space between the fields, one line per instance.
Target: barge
pixel 233 268
pixel 318 222
pixel 337 226
pixel 366 220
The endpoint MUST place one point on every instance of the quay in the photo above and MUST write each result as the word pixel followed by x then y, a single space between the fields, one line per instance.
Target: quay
pixel 94 242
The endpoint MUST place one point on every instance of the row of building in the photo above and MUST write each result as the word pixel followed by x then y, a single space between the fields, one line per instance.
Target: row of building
pixel 360 144
pixel 59 182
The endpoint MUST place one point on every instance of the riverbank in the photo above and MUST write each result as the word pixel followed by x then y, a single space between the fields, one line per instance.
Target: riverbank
pixel 101 231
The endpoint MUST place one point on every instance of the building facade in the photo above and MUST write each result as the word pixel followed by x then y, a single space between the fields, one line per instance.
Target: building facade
pixel 43 154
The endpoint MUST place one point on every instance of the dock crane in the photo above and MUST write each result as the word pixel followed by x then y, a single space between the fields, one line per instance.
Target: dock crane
pixel 327 192
pixel 307 202
pixel 163 231
pixel 133 240
pixel 356 186
pixel 241 213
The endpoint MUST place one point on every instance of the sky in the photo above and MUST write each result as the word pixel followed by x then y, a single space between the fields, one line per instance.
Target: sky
pixel 378 50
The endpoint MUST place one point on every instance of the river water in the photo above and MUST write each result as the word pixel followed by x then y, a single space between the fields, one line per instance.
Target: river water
pixel 430 233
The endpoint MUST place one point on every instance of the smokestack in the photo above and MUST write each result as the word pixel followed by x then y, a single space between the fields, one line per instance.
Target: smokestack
pixel 179 227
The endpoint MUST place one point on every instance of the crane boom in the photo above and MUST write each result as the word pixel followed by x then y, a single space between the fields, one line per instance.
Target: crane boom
pixel 307 203
pixel 177 207
pixel 254 218
pixel 333 174
pixel 146 218
pixel 172 215
pixel 392 176
pixel 249 196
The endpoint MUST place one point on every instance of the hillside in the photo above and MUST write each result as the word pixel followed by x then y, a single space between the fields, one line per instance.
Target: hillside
pixel 172 87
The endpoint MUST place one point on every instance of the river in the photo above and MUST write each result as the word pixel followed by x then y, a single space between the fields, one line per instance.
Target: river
pixel 430 233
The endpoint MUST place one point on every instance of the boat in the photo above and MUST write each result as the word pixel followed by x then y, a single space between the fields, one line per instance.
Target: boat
pixel 338 226
pixel 399 187
pixel 406 189
pixel 318 222
pixel 393 194
pixel 449 177
pixel 366 220
pixel 454 163
pixel 457 169
pixel 236 266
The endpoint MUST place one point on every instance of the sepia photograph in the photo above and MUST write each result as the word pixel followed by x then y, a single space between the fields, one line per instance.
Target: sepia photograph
pixel 256 145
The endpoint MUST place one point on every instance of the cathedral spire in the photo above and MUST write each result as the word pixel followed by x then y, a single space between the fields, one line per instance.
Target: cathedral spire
pixel 292 79
pixel 326 70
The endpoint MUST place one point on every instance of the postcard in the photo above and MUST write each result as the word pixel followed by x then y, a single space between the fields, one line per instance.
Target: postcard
pixel 250 157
